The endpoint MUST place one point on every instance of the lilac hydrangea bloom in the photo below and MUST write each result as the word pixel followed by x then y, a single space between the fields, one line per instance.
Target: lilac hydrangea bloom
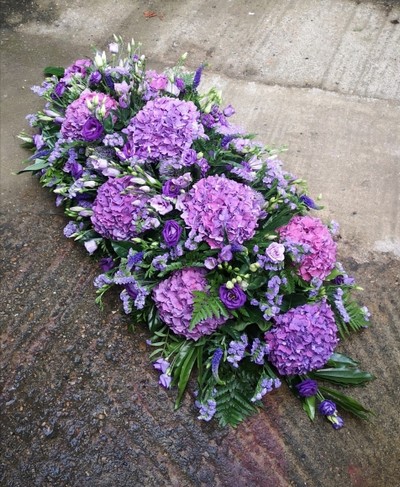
pixel 216 207
pixel 174 300
pixel 78 112
pixel 303 339
pixel 309 231
pixel 117 210
pixel 164 128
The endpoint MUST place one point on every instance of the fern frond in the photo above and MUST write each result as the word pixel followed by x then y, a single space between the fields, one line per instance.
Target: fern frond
pixel 206 306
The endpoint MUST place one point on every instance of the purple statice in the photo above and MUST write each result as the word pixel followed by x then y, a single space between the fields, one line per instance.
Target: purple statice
pixel 72 228
pixel 303 339
pixel 307 388
pixel 77 69
pixel 265 385
pixel 176 252
pixel 216 208
pixel 133 294
pixel 32 119
pixel 160 262
pixel 258 351
pixel 133 259
pixel 118 209
pixel 174 300
pixel 316 284
pixel 232 298
pixel 338 300
pixel 271 307
pixel 309 231
pixel 78 112
pixel 164 128
pixel 244 171
pixel 366 313
pixel 206 409
pixel 113 140
pixel 57 152
pixel 236 351
pixel 343 277
pixel 102 280
pixel 43 88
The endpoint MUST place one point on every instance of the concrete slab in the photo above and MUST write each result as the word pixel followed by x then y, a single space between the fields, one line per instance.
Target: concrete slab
pixel 81 403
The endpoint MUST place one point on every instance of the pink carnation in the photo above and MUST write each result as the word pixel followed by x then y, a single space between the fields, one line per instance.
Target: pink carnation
pixel 217 208
pixel 78 113
pixel 320 256
pixel 174 301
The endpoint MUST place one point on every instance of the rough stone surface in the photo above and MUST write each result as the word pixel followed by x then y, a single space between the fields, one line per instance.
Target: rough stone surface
pixel 80 404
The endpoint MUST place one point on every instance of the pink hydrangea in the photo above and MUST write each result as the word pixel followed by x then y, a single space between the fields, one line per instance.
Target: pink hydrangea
pixel 78 112
pixel 303 339
pixel 314 236
pixel 119 211
pixel 217 208
pixel 164 128
pixel 174 301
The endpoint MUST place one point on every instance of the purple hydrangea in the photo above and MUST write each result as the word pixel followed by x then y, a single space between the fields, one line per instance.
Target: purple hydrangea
pixel 78 112
pixel 118 209
pixel 174 300
pixel 217 207
pixel 164 128
pixel 303 339
pixel 312 233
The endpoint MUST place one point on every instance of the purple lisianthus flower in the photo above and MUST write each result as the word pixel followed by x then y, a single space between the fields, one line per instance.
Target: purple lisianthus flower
pixel 307 388
pixel 161 204
pixel 232 298
pixel 229 111
pixel 226 253
pixel 76 170
pixel 337 422
pixel 210 263
pixel 95 78
pixel 171 233
pixel 165 380
pixel 161 364
pixel 59 89
pixel 92 129
pixel 170 189
pixel 106 264
pixel 91 246
pixel 327 407
pixel 309 202
pixel 275 252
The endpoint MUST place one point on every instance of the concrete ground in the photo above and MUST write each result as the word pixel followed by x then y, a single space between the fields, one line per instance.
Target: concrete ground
pixel 80 404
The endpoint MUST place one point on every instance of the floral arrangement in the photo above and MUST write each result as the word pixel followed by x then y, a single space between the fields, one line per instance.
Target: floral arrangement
pixel 209 240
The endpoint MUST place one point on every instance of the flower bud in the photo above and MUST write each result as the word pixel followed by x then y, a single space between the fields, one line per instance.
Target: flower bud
pixel 234 280
pixel 229 285
pixel 238 279
pixel 253 267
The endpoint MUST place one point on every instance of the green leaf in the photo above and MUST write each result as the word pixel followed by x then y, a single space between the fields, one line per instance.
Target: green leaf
pixel 347 403
pixel 309 407
pixel 343 375
pixel 121 248
pixel 54 71
pixel 42 164
pixel 206 306
pixel 184 374
pixel 340 360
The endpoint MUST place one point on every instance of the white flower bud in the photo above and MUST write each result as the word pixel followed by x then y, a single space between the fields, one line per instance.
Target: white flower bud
pixel 229 285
